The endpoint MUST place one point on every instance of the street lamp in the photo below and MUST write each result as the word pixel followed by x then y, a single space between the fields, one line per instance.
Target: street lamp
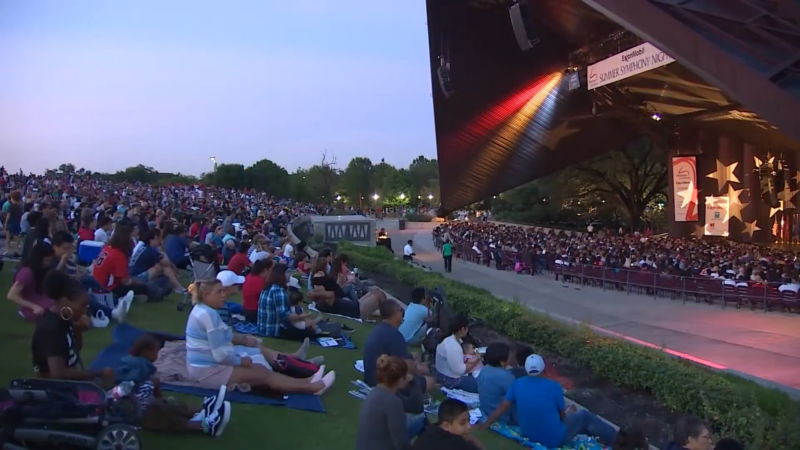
pixel 430 196
pixel 214 162
pixel 375 197
pixel 338 198
pixel 402 196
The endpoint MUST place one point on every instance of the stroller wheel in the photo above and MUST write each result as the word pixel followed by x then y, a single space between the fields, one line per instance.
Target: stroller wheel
pixel 119 437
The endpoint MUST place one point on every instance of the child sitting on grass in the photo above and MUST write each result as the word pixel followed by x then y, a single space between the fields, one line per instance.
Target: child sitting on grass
pixel 169 415
pixel 470 355
pixel 452 430
pixel 296 303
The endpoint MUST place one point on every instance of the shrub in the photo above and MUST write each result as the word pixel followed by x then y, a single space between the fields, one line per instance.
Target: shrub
pixel 414 217
pixel 735 407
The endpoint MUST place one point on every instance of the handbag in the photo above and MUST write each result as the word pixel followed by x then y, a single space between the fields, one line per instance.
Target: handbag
pixel 295 367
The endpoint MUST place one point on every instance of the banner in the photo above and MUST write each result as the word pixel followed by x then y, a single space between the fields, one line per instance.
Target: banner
pixel 684 189
pixel 717 223
pixel 623 65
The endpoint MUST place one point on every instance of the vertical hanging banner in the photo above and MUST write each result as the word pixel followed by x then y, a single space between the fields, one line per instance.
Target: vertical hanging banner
pixel 684 189
pixel 717 223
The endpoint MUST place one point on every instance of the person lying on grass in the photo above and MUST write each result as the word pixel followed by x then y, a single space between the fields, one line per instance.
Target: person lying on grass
pixel 452 430
pixel 216 356
pixel 169 415
pixel 57 339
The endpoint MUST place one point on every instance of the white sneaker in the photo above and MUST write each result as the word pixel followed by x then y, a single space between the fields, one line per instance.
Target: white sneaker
pixel 328 381
pixel 120 313
pixel 318 376
pixel 100 320
pixel 128 299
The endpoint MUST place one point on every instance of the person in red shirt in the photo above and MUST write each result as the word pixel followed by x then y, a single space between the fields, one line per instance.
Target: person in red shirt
pixel 86 230
pixel 240 261
pixel 252 287
pixel 111 266
pixel 194 230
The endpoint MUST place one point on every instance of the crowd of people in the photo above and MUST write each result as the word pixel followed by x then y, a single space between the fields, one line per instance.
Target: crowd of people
pixel 149 240
pixel 533 250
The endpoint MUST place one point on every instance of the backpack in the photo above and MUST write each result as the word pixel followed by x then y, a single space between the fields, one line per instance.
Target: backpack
pixel 443 316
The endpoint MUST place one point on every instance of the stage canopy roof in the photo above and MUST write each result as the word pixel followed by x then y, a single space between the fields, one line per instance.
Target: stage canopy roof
pixel 512 118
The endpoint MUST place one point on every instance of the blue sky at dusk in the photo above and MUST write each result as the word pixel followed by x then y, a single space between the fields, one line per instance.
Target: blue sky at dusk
pixel 110 84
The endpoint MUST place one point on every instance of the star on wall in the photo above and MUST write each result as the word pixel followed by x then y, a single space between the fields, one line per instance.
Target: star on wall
pixel 773 211
pixel 797 177
pixel 759 162
pixel 735 206
pixel 787 195
pixel 699 231
pixel 724 174
pixel 750 228
pixel 688 196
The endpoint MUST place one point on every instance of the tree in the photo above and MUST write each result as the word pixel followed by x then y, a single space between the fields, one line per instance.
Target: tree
pixel 268 177
pixel 630 178
pixel 67 168
pixel 423 172
pixel 356 181
pixel 230 176
pixel 299 187
pixel 323 179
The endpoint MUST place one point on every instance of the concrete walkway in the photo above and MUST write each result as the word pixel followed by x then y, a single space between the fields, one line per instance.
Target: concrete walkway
pixel 764 345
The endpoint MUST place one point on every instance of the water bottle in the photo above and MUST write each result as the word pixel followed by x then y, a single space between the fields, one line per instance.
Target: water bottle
pixel 122 390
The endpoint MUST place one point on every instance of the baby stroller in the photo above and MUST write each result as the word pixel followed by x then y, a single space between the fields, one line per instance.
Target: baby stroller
pixel 204 265
pixel 38 413
pixel 442 315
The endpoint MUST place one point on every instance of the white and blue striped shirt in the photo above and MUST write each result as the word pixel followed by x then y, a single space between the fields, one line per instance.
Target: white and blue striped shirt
pixel 209 342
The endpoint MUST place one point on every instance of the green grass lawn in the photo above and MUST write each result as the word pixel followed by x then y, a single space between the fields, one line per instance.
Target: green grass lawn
pixel 263 426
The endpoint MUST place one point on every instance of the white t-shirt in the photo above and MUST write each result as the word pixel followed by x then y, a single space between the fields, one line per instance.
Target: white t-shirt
pixel 789 287
pixel 100 235
pixel 450 358
pixel 407 250
pixel 287 251
pixel 256 256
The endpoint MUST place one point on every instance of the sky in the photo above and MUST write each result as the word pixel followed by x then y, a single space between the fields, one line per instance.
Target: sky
pixel 106 85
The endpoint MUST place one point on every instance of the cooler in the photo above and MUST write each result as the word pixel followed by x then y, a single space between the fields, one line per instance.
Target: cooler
pixel 89 250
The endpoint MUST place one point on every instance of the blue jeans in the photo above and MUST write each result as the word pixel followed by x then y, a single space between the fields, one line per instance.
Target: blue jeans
pixel 466 383
pixel 350 291
pixel 584 422
pixel 416 425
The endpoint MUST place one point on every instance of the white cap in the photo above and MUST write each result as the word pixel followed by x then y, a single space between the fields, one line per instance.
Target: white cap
pixel 534 365
pixel 228 278
pixel 293 283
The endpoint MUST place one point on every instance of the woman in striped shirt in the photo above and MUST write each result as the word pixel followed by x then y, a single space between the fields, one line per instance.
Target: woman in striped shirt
pixel 216 356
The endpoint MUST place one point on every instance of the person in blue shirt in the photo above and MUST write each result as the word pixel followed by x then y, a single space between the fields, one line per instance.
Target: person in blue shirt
pixel 149 265
pixel 175 246
pixel 414 324
pixel 541 413
pixel 494 382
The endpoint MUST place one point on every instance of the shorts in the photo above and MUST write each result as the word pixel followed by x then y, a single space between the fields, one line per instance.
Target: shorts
pixel 215 376
pixel 14 229
pixel 166 415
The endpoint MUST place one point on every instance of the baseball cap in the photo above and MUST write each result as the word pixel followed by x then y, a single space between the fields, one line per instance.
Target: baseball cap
pixel 293 283
pixel 534 365
pixel 228 278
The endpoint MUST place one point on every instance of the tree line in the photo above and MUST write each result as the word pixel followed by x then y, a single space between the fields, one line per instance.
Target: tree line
pixel 360 183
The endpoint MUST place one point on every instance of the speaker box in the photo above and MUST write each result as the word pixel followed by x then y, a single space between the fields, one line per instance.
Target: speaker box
pixel 444 80
pixel 520 21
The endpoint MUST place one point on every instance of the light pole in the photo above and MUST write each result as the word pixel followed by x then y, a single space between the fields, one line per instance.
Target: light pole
pixel 214 162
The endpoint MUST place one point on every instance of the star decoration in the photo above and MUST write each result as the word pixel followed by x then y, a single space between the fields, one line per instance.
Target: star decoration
pixel 711 201
pixel 688 196
pixel 787 195
pixel 759 162
pixel 797 177
pixel 773 211
pixel 699 231
pixel 751 227
pixel 735 206
pixel 724 174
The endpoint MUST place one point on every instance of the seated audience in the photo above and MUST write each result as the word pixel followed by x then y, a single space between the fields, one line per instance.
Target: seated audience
pixel 275 315
pixel 630 440
pixel 542 415
pixel 111 267
pixel 494 381
pixel 216 356
pixel 382 422
pixel 520 356
pixel 452 430
pixel 148 264
pixel 168 414
pixel 415 318
pixel 104 226
pixel 451 370
pixel 296 304
pixel 240 261
pixel 690 433
pixel 330 298
pixel 254 284
pixel 324 254
pixel 176 244
pixel 259 249
pixel 27 291
pixel 39 234
pixel 470 355
pixel 57 339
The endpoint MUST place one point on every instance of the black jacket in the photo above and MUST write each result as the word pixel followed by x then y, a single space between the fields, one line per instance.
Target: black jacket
pixel 435 438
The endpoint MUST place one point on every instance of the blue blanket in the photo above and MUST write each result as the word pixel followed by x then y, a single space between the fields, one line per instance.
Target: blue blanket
pixel 580 442
pixel 124 337
pixel 250 328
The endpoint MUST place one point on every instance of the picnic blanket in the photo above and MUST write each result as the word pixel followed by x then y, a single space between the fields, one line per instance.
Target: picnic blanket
pixel 343 340
pixel 172 371
pixel 580 442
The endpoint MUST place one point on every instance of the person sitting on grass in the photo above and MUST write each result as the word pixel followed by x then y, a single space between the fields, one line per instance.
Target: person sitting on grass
pixel 415 318
pixel 494 382
pixel 57 339
pixel 240 261
pixel 331 298
pixel 169 415
pixel 452 430
pixel 296 304
pixel 28 288
pixel 276 317
pixel 216 356
pixel 521 354
pixel 148 264
pixel 542 416
pixel 254 283
pixel 111 266
pixel 381 421
pixel 451 370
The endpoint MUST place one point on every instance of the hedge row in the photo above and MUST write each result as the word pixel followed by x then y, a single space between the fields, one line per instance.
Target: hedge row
pixel 761 417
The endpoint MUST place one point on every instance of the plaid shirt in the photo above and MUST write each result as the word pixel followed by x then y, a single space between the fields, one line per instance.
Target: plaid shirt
pixel 273 311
